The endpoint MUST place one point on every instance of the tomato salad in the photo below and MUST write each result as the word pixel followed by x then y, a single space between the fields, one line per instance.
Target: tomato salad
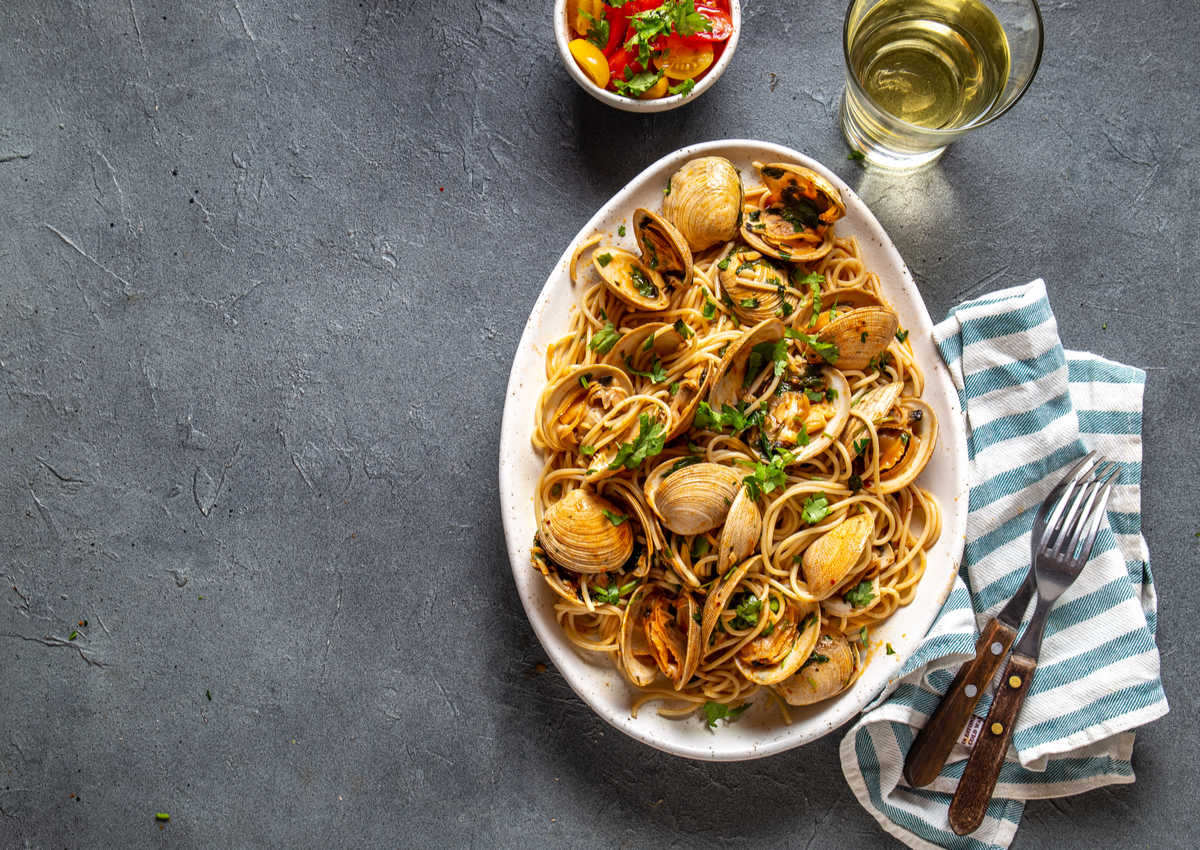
pixel 648 49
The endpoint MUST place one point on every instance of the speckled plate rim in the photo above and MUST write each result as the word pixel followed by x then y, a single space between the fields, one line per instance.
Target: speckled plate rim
pixel 760 731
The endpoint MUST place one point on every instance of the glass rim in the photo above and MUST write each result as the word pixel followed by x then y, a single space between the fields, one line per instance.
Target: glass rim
pixel 987 118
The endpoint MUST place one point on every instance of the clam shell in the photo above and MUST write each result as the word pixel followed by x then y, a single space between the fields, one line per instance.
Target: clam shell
pixel 727 383
pixel 839 607
pixel 790 662
pixel 743 525
pixel 873 406
pixel 567 397
pixel 841 404
pixel 841 299
pixel 833 555
pixel 780 236
pixel 821 680
pixel 860 336
pixel 667 342
pixel 750 277
pixel 663 247
pixel 637 661
pixel 578 536
pixel 687 398
pixel 694 499
pixel 794 252
pixel 781 177
pixel 920 447
pixel 705 201
pixel 619 271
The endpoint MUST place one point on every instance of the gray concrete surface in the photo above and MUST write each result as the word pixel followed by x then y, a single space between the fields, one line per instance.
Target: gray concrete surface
pixel 263 267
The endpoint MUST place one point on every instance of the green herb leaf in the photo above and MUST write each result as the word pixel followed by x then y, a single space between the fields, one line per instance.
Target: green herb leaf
pixel 902 335
pixel 747 612
pixel 639 83
pixel 686 461
pixel 857 156
pixel 649 442
pixel 855 483
pixel 587 451
pixel 890 651
pixel 208 695
pixel 74 634
pixel 710 308
pixel 684 88
pixel 816 508
pixel 682 329
pixel 862 636
pixel 828 351
pixel 162 816
pixel 584 378
pixel 860 595
pixel 597 32
pixel 604 259
pixel 657 372
pixel 714 711
pixel 763 353
pixel 604 339
pixel 815 658
pixel 700 548
pixel 621 230
pixel 614 518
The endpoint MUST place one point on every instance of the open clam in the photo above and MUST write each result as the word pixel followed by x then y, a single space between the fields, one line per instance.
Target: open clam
pixel 630 279
pixel 739 536
pixel 672 636
pixel 815 314
pixel 792 219
pixel 808 412
pixel 826 672
pixel 731 377
pixel 854 338
pixel 874 406
pixel 664 249
pixel 770 659
pixel 691 498
pixel 756 287
pixel 906 437
pixel 578 533
pixel 704 201
pixel 836 553
pixel 578 401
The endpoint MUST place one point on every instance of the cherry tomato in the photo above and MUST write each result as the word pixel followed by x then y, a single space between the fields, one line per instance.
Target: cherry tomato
pixel 720 21
pixel 657 90
pixel 591 60
pixel 681 60
pixel 576 17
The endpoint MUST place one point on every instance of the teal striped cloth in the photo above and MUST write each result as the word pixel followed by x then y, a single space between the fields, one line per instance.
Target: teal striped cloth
pixel 1031 410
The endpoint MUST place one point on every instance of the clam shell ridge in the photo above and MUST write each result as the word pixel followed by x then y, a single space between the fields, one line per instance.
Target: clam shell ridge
pixel 704 201
pixel 576 533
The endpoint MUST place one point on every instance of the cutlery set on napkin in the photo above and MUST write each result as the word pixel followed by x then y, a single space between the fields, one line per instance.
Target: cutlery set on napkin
pixel 1054 441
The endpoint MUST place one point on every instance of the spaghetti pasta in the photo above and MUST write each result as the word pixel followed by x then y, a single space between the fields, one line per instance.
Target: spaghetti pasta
pixel 731 440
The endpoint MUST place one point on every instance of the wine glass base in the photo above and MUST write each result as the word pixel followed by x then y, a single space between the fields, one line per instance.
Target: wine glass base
pixel 878 154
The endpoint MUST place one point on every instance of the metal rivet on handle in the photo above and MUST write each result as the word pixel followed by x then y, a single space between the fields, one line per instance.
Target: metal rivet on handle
pixel 1014 681
pixel 997 728
pixel 971 690
pixel 997 648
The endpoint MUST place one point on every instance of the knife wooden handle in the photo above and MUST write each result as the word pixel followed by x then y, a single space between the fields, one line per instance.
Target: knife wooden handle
pixel 974 790
pixel 933 743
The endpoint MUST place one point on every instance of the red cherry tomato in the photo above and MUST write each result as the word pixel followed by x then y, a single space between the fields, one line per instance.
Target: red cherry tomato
pixel 719 20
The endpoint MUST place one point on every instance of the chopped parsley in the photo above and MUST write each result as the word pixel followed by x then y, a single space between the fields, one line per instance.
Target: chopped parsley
pixel 612 594
pixel 710 307
pixel 762 354
pixel 604 259
pixel 828 351
pixel 587 451
pixel 621 230
pixel 674 388
pixel 642 283
pixel 730 418
pixel 208 695
pixel 648 443
pixel 604 339
pixel 684 88
pixel 614 518
pixel 682 329
pixel 890 651
pixel 747 612
pixel 636 85
pixel 724 264
pixel 678 16
pixel 700 547
pixel 860 595
pixel 749 303
pixel 902 335
pixel 584 379
pixel 857 156
pixel 683 462
pixel 815 658
pixel 714 711
pixel 855 483
pixel 861 444
pixel 74 634
pixel 769 476
pixel 657 372
pixel 598 30
pixel 862 635
pixel 816 508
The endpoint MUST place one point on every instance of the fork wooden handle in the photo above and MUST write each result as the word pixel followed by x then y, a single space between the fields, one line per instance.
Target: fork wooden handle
pixel 933 743
pixel 974 790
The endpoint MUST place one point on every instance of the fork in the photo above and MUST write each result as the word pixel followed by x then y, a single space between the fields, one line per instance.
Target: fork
pixel 1060 555
pixel 937 737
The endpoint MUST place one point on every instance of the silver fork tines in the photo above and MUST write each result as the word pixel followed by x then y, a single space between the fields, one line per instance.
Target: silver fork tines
pixel 1081 496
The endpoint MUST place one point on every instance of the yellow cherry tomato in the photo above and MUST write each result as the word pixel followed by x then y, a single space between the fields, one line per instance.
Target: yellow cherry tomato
pixel 576 17
pixel 682 61
pixel 591 60
pixel 655 91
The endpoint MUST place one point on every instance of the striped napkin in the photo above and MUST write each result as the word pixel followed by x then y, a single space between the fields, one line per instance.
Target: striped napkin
pixel 1032 409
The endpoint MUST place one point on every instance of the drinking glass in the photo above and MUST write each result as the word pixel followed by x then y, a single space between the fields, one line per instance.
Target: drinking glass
pixel 931 61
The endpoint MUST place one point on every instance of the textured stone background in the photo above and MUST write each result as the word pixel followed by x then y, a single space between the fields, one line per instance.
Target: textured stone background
pixel 263 266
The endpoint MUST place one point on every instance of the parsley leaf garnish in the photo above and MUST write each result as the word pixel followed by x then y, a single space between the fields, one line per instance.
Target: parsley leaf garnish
pixel 637 84
pixel 604 259
pixel 767 477
pixel 828 351
pixel 611 594
pixel 684 88
pixel 614 518
pixel 902 335
pixel 682 329
pixel 714 711
pixel 597 33
pixel 730 418
pixel 816 508
pixel 857 156
pixel 763 353
pixel 747 612
pixel 604 339
pixel 647 444
pixel 657 373
pixel 860 595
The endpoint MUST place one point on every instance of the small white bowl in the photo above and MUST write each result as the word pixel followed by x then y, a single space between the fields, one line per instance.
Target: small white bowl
pixel 562 34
